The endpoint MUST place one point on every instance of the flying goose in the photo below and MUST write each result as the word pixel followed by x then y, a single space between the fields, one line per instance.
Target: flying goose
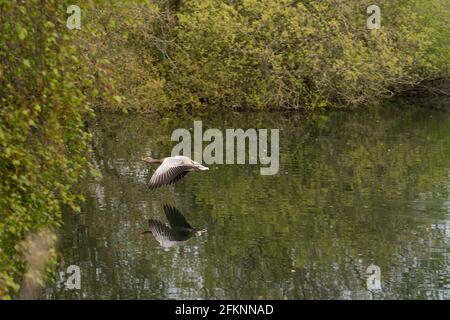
pixel 180 230
pixel 171 169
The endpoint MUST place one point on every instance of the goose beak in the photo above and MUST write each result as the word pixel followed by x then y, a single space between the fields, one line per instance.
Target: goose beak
pixel 202 168
pixel 199 232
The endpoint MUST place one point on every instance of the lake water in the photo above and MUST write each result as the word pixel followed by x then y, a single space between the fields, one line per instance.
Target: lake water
pixel 354 189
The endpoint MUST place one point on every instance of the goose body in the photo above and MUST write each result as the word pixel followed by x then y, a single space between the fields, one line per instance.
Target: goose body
pixel 171 170
pixel 179 231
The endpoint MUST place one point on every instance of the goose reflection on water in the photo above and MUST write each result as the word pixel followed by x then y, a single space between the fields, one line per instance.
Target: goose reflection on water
pixel 179 231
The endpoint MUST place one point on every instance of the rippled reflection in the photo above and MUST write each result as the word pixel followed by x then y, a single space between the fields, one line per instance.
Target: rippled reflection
pixel 354 188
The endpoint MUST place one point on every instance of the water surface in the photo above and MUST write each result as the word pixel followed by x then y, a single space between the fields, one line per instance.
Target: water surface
pixel 355 188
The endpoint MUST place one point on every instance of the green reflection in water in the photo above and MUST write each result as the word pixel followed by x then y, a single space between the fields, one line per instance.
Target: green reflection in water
pixel 355 188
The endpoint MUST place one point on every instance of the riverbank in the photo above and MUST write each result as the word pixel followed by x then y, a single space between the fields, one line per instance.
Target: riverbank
pixel 269 55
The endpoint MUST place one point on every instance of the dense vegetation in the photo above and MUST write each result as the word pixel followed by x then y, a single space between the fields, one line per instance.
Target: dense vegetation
pixel 269 54
pixel 44 86
pixel 170 55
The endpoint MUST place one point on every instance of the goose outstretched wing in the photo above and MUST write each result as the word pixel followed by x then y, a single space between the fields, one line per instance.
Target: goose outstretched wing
pixel 176 218
pixel 167 174
pixel 164 235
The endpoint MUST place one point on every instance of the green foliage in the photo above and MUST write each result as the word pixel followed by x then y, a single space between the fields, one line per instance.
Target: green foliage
pixel 287 53
pixel 43 144
pixel 435 16
pixel 269 54
pixel 126 35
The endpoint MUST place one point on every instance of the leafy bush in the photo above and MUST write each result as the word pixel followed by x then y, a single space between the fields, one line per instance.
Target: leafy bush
pixel 267 54
pixel 283 53
pixel 129 35
pixel 43 144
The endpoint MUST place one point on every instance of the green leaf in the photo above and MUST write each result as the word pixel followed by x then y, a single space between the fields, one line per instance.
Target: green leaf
pixel 21 32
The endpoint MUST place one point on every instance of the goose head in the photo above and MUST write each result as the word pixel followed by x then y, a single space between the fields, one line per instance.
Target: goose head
pixel 151 160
